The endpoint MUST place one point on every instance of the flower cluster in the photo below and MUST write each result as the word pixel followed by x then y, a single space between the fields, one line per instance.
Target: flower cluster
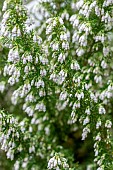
pixel 60 72
pixel 57 162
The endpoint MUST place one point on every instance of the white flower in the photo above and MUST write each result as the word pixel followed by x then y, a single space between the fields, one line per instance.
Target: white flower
pixel 98 137
pixel 16 165
pixel 83 40
pixel 55 46
pixel 54 23
pixel 63 37
pixel 65 45
pixel 57 160
pixel 102 110
pixel 4 6
pixel 6 15
pixel 10 154
pixel 80 51
pixel 108 124
pixel 31 149
pixel 87 111
pixel 43 72
pixel 40 83
pixel 79 4
pixel 63 95
pixel 85 132
pixel 101 168
pixel 106 51
pixel 98 124
pixel 29 58
pixel 98 79
pixel 103 64
pixel 2 86
pixel 29 111
pixel 14 31
pixel 86 120
pixel 40 107
pixel 61 58
pixel 75 65
pixel 61 21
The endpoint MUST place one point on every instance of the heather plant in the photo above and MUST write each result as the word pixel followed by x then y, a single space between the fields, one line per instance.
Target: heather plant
pixel 57 68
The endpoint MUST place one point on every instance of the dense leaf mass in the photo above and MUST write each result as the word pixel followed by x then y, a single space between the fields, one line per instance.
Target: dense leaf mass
pixel 56 84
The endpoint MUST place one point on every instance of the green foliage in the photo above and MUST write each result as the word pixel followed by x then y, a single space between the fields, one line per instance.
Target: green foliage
pixel 58 79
